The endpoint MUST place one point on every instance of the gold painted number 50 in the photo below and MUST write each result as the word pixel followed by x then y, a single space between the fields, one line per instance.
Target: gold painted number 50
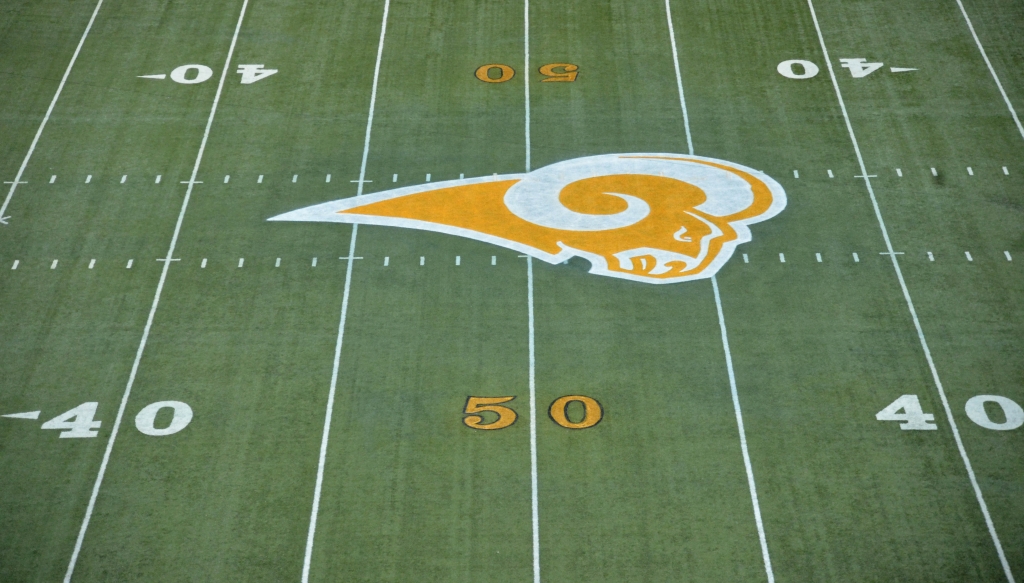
pixel 559 412
pixel 498 73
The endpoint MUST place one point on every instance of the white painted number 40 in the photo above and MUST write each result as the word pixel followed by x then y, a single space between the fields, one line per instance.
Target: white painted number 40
pixel 78 422
pixel 908 410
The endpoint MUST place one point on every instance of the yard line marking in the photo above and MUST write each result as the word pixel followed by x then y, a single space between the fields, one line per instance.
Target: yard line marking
pixel 156 302
pixel 458 260
pixel 49 112
pixel 745 258
pixel 124 178
pixel 54 264
pixel 203 264
pixel 748 466
pixel 782 258
pixel 54 177
pixel 968 254
pixel 751 484
pixel 1016 120
pixel 328 178
pixel 421 260
pixel 241 261
pixel 866 176
pixel 88 179
pixel 818 257
pixel 130 262
pixel 259 180
pixel 92 263
pixel 930 256
pixel 158 177
pixel 899 173
pixel 386 260
pixel 934 173
pixel 534 488
pixel 191 181
pixel 906 292
pixel 856 258
pixel 830 175
pixel 325 439
pixel 970 171
pixel 679 75
pixel 314 262
pixel 15 266
pixel 1008 257
pixel 276 263
pixel 166 259
pixel 494 259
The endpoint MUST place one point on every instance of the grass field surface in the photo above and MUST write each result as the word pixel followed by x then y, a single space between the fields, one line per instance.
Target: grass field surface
pixel 290 401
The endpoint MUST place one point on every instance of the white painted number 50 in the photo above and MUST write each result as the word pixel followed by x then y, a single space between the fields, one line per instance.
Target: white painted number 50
pixel 788 69
pixel 146 418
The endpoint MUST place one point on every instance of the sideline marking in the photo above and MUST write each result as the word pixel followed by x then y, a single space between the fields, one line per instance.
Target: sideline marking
pixel 156 303
pixel 318 488
pixel 1020 128
pixel 748 466
pixel 46 118
pixel 906 292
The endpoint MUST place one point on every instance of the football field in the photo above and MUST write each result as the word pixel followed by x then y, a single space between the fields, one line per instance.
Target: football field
pixel 454 290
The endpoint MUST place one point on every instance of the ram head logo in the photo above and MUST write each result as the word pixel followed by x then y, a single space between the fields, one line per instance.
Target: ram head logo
pixel 653 218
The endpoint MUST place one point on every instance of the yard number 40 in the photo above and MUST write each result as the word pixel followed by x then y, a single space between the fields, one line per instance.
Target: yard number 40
pixel 907 410
pixel 559 412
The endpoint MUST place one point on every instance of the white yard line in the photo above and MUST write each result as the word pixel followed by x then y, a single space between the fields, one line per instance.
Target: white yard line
pixel 325 439
pixel 156 300
pixel 910 303
pixel 991 70
pixel 534 488
pixel 49 111
pixel 751 484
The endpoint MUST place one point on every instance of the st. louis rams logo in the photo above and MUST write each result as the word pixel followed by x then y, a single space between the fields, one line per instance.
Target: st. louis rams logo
pixel 654 218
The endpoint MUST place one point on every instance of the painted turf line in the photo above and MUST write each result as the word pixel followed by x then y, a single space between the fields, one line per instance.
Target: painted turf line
pixel 748 466
pixel 325 439
pixel 991 70
pixel 910 304
pixel 46 118
pixel 156 299
pixel 534 487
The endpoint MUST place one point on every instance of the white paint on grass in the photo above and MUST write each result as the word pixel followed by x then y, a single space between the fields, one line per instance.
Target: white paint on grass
pixel 203 264
pixel 325 438
pixel 796 174
pixel 46 116
pixel 856 258
pixel 92 263
pixel 1020 128
pixel 1013 415
pixel 899 173
pixel 181 416
pixel 935 172
pixel 314 262
pixel 930 256
pixel 746 259
pixel 1008 256
pixel 328 180
pixel 970 171
pixel 968 255
pixel 124 178
pixel 818 257
pixel 88 179
pixel 909 301
pixel 25 415
pixel 15 264
pixel 782 257
pixel 130 262
pixel 458 260
pixel 394 178
pixel 679 75
pixel 158 179
pixel 153 308
pixel 227 178
pixel 428 177
pixel 1006 171
pixel 386 261
pixel 241 261
pixel 830 174
pixel 422 260
pixel 295 178
pixel 494 259
pixel 54 264
pixel 260 179
pixel 278 262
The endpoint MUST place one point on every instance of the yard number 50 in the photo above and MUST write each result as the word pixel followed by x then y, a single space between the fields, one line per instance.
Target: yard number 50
pixel 559 412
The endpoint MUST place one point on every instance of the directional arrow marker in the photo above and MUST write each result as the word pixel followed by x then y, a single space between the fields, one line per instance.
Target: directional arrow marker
pixel 27 415
pixel 901 69
pixel 160 76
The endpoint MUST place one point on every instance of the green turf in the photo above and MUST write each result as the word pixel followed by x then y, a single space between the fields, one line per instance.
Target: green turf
pixel 658 490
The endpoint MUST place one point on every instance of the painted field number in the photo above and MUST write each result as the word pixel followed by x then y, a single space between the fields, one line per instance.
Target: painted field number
pixel 498 73
pixel 181 413
pixel 565 72
pixel 81 421
pixel 476 405
pixel 1013 415
pixel 912 417
pixel 77 422
pixel 592 412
